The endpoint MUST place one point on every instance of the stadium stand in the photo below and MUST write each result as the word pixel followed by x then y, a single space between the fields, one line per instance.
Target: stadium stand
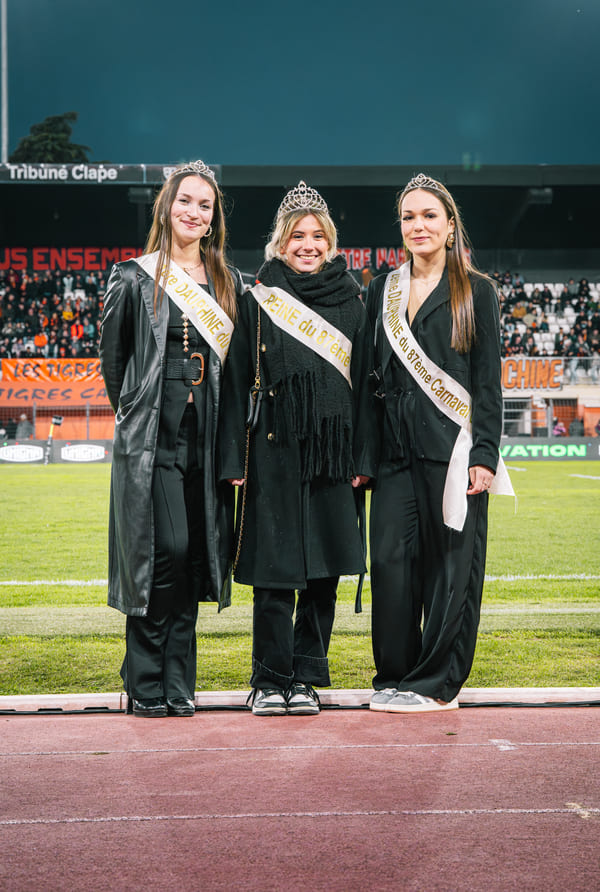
pixel 552 319
pixel 58 314
pixel 50 315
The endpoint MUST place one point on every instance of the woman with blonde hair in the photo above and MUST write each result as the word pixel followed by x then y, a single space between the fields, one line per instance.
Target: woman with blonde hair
pixel 167 323
pixel 297 433
pixel 437 344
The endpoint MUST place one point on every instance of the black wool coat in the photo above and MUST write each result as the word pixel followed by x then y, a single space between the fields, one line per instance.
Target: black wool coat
pixel 132 351
pixel 292 531
pixel 479 371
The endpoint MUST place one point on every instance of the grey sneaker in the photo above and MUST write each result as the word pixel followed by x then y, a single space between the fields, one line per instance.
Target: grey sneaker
pixel 302 699
pixel 380 699
pixel 408 701
pixel 267 701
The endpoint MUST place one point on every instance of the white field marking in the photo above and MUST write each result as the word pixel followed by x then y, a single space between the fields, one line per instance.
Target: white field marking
pixel 248 816
pixel 513 468
pixel 298 747
pixel 486 610
pixel 65 582
pixel 503 744
pixel 581 810
pixel 584 476
pixel 535 610
pixel 507 577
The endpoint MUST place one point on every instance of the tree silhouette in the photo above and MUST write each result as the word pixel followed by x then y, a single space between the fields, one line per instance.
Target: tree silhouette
pixel 50 142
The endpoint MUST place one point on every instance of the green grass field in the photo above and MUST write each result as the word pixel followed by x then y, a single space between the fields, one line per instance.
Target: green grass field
pixel 540 620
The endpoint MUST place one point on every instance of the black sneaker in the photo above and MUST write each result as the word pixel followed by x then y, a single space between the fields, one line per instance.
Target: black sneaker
pixel 267 701
pixel 302 699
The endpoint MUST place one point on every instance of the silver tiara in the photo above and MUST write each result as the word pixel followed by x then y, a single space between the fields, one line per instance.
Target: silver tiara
pixel 192 167
pixel 302 198
pixel 423 182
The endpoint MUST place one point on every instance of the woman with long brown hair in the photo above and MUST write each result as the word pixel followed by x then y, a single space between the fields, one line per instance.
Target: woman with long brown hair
pixel 168 319
pixel 437 340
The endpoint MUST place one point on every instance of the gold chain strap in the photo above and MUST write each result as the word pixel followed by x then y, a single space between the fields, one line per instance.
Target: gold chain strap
pixel 247 456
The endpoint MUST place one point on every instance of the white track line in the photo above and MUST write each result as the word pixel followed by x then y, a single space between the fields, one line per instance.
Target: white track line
pixel 572 809
pixel 296 747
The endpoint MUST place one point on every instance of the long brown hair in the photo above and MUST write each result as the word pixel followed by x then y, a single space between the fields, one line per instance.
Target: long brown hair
pixel 458 263
pixel 212 249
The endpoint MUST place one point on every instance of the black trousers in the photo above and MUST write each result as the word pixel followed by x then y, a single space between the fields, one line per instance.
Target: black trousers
pixel 160 658
pixel 426 582
pixel 286 650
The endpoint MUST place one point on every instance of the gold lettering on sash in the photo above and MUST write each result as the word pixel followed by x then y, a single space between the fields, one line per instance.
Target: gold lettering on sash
pixel 201 308
pixel 315 332
pixel 405 346
pixel 448 395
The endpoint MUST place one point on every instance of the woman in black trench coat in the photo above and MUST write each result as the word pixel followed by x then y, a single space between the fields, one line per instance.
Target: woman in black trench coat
pixel 166 328
pixel 437 335
pixel 310 448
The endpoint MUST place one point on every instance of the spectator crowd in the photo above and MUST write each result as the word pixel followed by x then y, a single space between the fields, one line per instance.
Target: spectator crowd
pixel 50 314
pixel 548 320
pixel 552 320
pixel 57 315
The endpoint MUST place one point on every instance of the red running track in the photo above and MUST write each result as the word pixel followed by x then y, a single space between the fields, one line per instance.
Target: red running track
pixel 479 799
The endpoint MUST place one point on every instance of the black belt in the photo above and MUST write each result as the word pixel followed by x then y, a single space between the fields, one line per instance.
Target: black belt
pixel 191 370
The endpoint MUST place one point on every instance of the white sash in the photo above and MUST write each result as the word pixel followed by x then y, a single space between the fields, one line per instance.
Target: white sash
pixel 205 314
pixel 302 323
pixel 446 394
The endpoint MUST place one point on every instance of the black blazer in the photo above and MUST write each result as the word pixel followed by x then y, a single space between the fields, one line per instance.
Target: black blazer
pixel 479 371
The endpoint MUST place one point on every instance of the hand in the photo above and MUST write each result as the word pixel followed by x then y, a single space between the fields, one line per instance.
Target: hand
pixel 481 479
pixel 235 482
pixel 359 480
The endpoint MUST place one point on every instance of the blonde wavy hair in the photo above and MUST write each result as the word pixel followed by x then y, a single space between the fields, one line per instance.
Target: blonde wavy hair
pixel 285 224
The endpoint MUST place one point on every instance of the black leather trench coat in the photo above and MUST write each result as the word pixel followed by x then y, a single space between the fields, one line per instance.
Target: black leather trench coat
pixel 433 434
pixel 132 350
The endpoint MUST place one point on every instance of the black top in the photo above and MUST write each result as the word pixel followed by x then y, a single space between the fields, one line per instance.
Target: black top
pixel 176 391
pixel 413 425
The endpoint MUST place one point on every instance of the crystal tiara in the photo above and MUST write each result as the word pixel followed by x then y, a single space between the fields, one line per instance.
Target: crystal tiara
pixel 423 182
pixel 302 198
pixel 194 167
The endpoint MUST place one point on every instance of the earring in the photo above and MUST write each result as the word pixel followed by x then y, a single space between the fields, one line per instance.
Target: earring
pixel 450 240
pixel 208 232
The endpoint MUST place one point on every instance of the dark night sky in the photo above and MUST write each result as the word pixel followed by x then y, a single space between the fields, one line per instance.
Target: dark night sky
pixel 317 82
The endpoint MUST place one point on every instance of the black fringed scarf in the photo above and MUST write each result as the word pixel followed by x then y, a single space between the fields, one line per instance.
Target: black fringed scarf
pixel 316 399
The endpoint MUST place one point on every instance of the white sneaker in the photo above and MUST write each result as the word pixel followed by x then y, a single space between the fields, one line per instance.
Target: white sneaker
pixel 302 699
pixel 380 699
pixel 408 701
pixel 267 701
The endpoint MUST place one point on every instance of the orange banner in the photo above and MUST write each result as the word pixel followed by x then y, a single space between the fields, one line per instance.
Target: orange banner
pixel 48 382
pixel 529 373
